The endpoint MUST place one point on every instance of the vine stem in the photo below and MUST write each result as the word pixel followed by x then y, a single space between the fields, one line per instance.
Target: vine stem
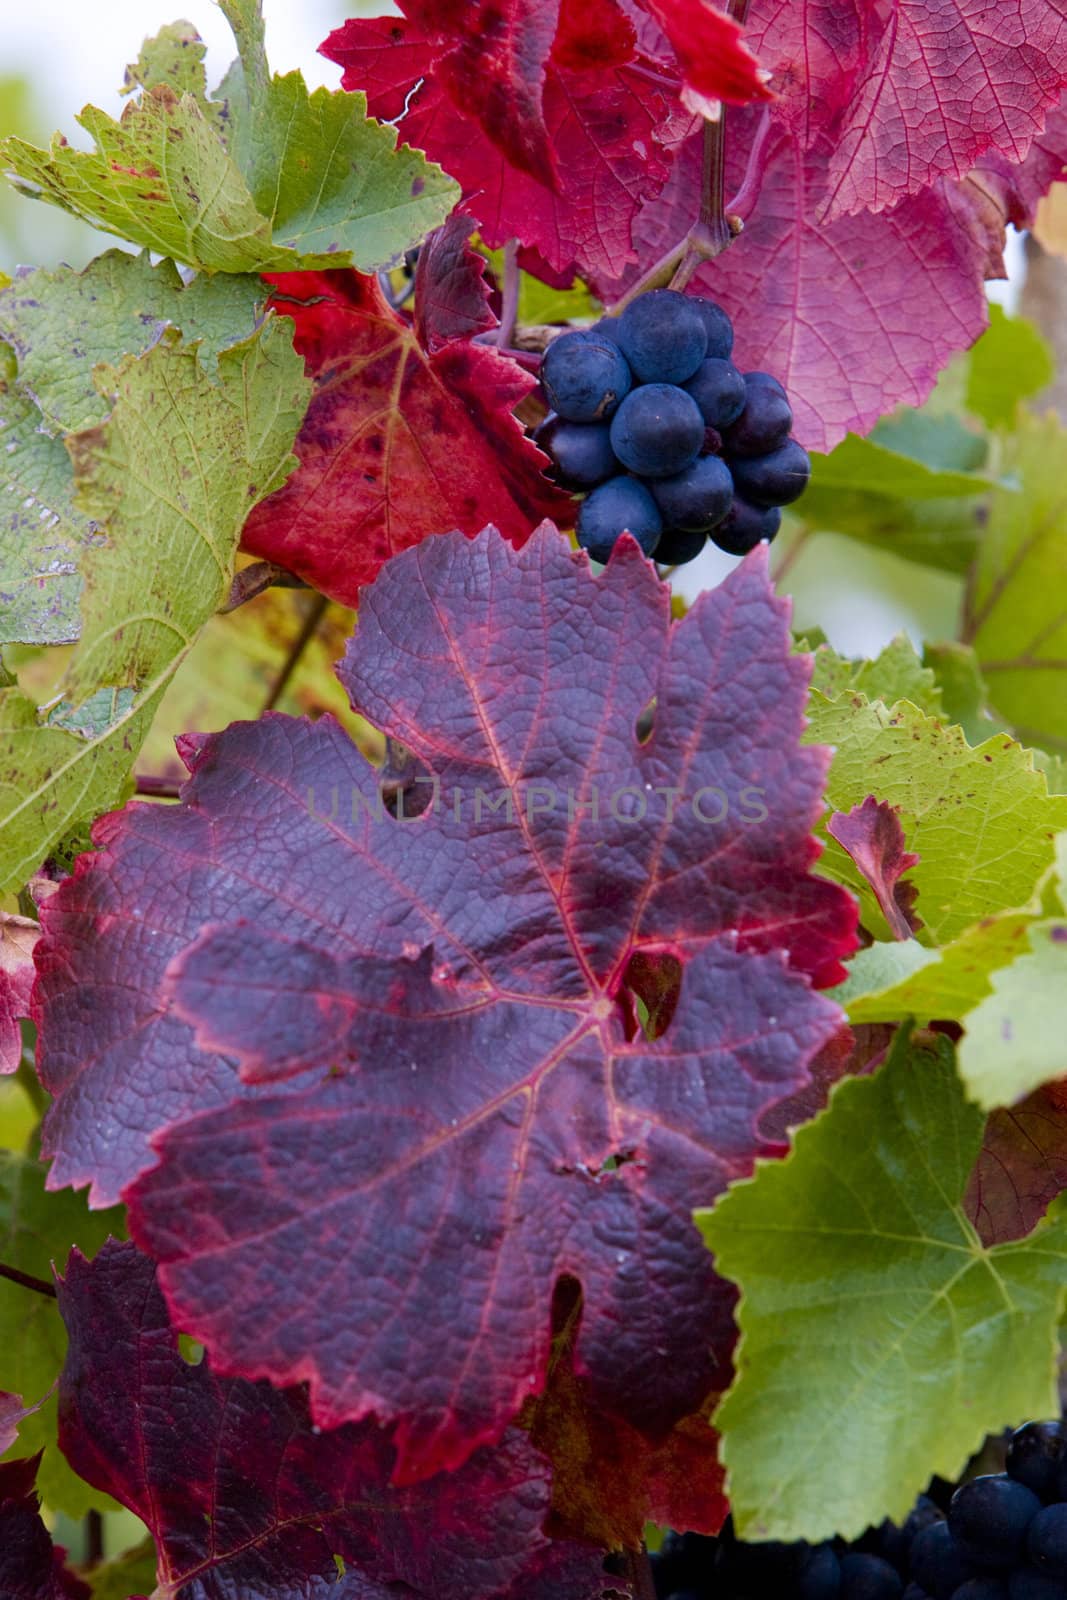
pixel 26 1280
pixel 509 307
pixel 640 1574
pixel 311 622
pixel 94 1539
pixel 147 783
pixel 744 201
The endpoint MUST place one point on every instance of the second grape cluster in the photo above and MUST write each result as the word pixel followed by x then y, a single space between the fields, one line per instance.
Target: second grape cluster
pixel 651 420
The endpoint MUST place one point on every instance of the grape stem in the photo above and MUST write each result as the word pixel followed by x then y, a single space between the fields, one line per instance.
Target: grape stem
pixel 315 614
pixel 509 307
pixel 744 201
pixel 642 1583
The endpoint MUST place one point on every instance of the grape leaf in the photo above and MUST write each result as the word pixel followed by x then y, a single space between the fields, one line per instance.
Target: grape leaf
pixel 526 1000
pixel 915 90
pixel 30 1567
pixel 613 132
pixel 242 1493
pixel 1014 1037
pixel 872 835
pixel 1010 362
pixel 934 251
pixel 1021 1168
pixel 170 477
pixel 174 56
pixel 43 537
pixel 37 1229
pixel 962 688
pixel 62 324
pixel 1014 614
pixel 981 819
pixel 866 1293
pixel 451 294
pixel 895 673
pixel 894 982
pixel 132 1573
pixel 492 67
pixel 397 443
pixel 320 184
pixel 18 935
pixel 711 55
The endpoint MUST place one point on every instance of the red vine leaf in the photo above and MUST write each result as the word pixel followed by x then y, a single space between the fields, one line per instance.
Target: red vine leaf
pixel 711 55
pixel 914 90
pixel 493 69
pixel 399 442
pixel 1022 1166
pixel 873 835
pixel 454 990
pixel 242 1495
pixel 613 129
pixel 608 1479
pixel 31 1567
pixel 451 294
pixel 18 935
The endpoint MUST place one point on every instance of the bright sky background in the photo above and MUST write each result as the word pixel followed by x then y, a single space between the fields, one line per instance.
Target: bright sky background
pixel 74 55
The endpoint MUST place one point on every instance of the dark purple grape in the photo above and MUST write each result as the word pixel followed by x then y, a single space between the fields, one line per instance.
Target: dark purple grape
pixel 584 377
pixel 720 329
pixel 697 499
pixel 607 328
pixel 988 1518
pixel 763 425
pixel 936 1564
pixel 581 451
pixel 663 337
pixel 913 1592
pixel 719 390
pixel 1046 1541
pixel 819 1574
pixel 776 479
pixel 1034 1454
pixel 764 378
pixel 1026 1584
pixel 982 1589
pixel 621 503
pixel 744 527
pixel 895 1543
pixel 676 547
pixel 867 1577
pixel 657 431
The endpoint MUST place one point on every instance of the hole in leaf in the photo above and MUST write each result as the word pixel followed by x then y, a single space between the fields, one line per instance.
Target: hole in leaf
pixel 654 979
pixel 190 1351
pixel 407 786
pixel 645 722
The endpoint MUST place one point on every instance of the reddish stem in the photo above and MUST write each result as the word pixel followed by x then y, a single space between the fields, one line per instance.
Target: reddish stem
pixel 509 308
pixel 744 201
pixel 147 783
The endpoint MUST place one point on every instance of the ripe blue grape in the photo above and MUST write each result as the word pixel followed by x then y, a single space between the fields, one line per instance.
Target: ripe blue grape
pixel 663 337
pixel 1026 1584
pixel 1034 1454
pixel 621 503
pixel 989 1517
pixel 584 377
pixel 982 1589
pixel 697 499
pixel 819 1574
pixel 1046 1541
pixel 719 328
pixel 657 431
pixel 719 390
pixel 936 1564
pixel 764 378
pixel 581 451
pixel 764 424
pixel 776 479
pixel 865 1577
pixel 745 526
pixel 676 547
pixel 895 1543
pixel 913 1592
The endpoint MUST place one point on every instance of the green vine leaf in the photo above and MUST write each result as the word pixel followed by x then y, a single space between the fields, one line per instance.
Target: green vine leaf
pixel 1015 616
pixel 1009 363
pixel 871 1314
pixel 896 673
pixel 170 478
pixel 62 324
pixel 307 181
pixel 981 819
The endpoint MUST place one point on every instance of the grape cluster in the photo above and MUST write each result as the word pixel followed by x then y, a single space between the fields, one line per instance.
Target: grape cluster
pixel 652 422
pixel 1000 1537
